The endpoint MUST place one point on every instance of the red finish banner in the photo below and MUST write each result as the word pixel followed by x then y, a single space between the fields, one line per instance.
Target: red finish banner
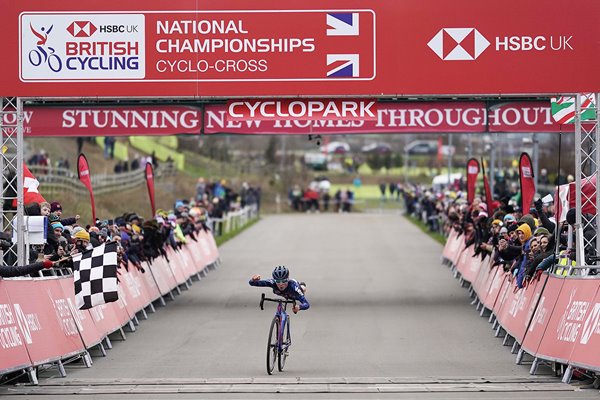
pixel 526 175
pixel 248 49
pixel 405 117
pixel 472 174
pixel 401 117
pixel 150 184
pixel 83 171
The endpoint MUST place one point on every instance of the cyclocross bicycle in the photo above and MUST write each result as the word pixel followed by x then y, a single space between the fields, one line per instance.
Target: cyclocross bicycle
pixel 280 340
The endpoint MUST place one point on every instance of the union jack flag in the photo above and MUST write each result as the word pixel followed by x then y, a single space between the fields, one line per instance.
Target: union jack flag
pixel 342 24
pixel 343 65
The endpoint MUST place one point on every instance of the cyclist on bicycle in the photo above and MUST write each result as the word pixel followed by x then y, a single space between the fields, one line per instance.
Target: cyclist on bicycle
pixel 285 287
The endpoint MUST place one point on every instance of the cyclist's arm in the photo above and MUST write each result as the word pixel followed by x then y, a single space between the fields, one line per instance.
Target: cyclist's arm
pixel 261 283
pixel 304 305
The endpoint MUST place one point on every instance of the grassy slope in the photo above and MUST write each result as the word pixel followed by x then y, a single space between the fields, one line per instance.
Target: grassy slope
pixel 110 205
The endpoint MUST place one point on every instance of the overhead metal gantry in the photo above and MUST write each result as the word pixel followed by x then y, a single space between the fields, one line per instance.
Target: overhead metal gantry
pixel 587 162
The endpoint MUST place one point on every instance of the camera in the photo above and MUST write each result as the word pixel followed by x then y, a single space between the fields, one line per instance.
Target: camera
pixel 316 138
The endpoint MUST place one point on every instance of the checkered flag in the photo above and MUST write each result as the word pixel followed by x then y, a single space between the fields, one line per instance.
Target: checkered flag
pixel 95 276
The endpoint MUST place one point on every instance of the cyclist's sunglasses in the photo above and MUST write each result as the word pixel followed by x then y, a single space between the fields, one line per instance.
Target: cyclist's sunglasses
pixel 281 281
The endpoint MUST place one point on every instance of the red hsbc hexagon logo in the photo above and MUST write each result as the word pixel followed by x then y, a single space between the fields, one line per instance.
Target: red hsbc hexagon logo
pixel 458 44
pixel 82 29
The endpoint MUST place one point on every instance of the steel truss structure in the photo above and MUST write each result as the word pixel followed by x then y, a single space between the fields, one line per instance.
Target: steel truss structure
pixel 587 166
pixel 11 184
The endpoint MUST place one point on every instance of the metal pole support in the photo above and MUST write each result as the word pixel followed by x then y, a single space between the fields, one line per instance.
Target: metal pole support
pixel 568 374
pixel 515 347
pixel 87 359
pixel 32 375
pixel 534 366
pixel 520 356
pixel 61 369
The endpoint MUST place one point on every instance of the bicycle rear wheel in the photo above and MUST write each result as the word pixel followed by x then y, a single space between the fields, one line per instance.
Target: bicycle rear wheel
pixel 272 346
pixel 286 341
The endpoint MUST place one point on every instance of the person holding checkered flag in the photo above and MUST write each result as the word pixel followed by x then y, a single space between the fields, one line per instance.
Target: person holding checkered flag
pixel 95 276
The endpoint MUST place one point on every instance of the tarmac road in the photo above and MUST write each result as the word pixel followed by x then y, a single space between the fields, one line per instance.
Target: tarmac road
pixel 386 321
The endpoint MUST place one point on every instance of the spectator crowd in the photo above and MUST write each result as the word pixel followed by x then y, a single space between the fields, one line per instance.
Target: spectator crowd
pixel 138 239
pixel 523 242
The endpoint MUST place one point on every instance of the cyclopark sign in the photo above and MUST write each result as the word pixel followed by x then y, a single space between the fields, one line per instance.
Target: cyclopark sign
pixel 248 49
pixel 405 117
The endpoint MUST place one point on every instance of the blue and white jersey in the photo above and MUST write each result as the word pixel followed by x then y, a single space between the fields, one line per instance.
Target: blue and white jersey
pixel 291 292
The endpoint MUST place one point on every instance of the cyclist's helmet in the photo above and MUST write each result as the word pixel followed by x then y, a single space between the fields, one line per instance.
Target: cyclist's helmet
pixel 281 274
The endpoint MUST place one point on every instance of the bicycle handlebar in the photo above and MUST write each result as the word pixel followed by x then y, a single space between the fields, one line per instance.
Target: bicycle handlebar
pixel 263 298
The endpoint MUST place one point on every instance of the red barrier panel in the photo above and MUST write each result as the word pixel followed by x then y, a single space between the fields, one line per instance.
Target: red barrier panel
pixel 451 245
pixel 163 275
pixel 587 347
pixel 140 282
pixel 461 260
pixel 515 314
pixel 119 308
pixel 90 333
pixel 131 286
pixel 149 283
pixel 468 266
pixel 200 260
pixel 567 319
pixel 541 317
pixel 456 246
pixel 460 250
pixel 13 353
pixel 473 265
pixel 176 266
pixel 482 275
pixel 49 330
pixel 508 286
pixel 213 245
pixel 209 247
pixel 184 261
pixel 491 288
pixel 105 318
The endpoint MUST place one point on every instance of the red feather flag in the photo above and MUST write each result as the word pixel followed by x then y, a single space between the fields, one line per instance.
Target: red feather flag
pixel 150 184
pixel 83 171
pixel 472 173
pixel 488 192
pixel 526 181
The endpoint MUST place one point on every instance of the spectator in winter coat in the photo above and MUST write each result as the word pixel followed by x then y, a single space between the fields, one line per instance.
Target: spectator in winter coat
pixel 56 208
pixel 12 271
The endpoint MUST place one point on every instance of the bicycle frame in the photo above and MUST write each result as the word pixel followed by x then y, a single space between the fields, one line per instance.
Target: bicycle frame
pixel 282 315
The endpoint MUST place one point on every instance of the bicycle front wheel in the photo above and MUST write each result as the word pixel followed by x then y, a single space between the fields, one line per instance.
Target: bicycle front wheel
pixel 272 345
pixel 286 341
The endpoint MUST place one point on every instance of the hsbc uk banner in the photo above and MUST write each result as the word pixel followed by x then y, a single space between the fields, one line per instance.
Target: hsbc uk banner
pixel 248 49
